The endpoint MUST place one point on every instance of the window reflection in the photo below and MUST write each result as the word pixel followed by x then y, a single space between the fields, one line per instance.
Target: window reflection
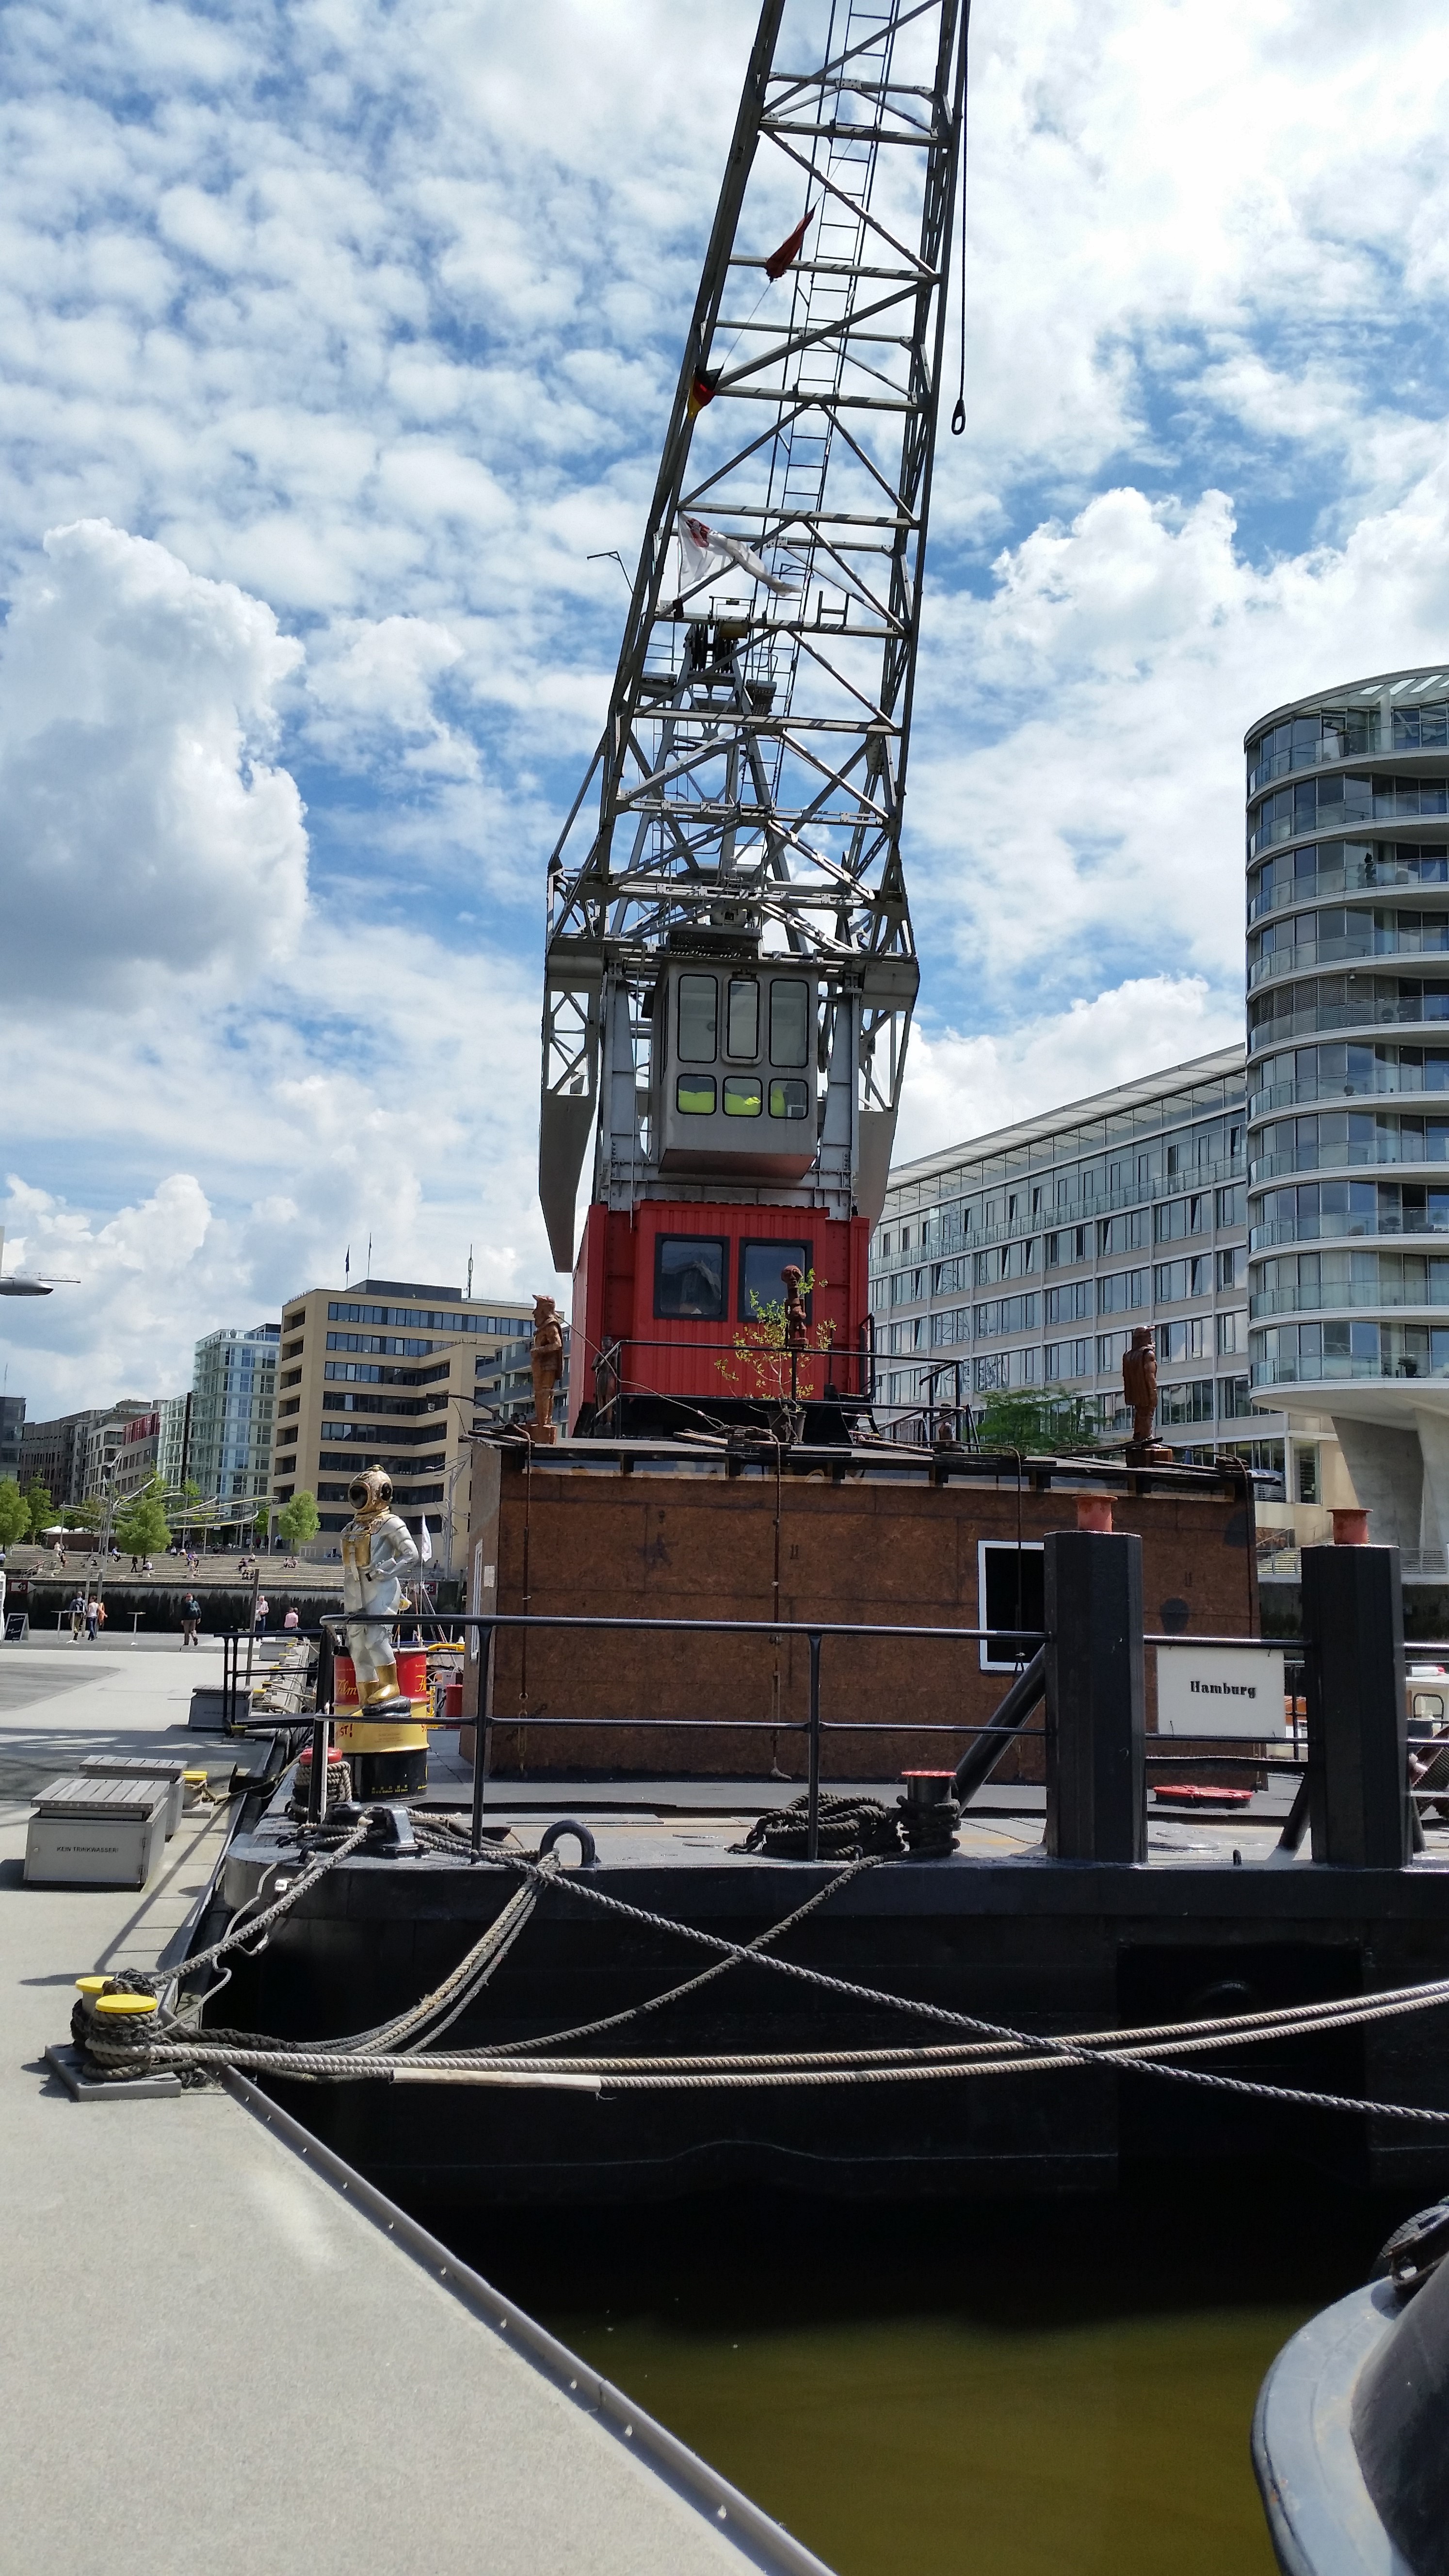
pixel 689 1277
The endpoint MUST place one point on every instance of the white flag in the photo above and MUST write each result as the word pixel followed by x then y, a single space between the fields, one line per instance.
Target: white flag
pixel 425 1545
pixel 706 552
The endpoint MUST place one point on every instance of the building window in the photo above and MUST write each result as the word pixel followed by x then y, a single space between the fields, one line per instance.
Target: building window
pixel 694 1094
pixel 1010 1594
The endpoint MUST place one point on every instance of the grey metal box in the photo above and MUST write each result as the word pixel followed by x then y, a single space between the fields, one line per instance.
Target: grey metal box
pixel 95 1833
pixel 208 1709
pixel 170 1767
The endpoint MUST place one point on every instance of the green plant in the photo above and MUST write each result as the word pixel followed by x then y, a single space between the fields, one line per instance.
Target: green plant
pixel 140 1527
pixel 759 1362
pixel 298 1520
pixel 82 1516
pixel 39 1506
pixel 1039 1425
pixel 14 1512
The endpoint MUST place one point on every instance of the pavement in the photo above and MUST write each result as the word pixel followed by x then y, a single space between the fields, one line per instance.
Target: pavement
pixel 212 2357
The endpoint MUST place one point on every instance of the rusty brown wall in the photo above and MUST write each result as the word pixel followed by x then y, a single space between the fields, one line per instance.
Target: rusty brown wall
pixel 660 1546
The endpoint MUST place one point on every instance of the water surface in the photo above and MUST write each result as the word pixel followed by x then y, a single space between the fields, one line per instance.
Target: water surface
pixel 1012 2390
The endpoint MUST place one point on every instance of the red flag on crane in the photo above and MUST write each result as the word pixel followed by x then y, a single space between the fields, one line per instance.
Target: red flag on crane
pixel 790 249
pixel 702 391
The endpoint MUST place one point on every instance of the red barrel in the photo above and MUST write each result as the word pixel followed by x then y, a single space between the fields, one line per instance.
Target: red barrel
pixel 453 1701
pixel 412 1676
pixel 412 1672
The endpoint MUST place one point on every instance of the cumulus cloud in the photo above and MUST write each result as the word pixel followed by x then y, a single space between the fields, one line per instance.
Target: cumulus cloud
pixel 959 1086
pixel 142 830
pixel 354 328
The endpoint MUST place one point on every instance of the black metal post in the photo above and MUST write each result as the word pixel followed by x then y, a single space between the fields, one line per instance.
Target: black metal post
pixel 1358 1748
pixel 325 1692
pixel 321 1747
pixel 980 1760
pixel 1096 1766
pixel 482 1731
pixel 812 1807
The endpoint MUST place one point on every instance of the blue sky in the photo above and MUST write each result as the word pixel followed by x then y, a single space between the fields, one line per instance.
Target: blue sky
pixel 335 337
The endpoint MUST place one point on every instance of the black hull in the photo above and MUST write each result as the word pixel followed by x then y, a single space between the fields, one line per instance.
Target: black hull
pixel 1047 1948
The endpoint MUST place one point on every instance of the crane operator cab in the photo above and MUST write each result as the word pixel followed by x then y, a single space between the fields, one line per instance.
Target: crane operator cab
pixel 734 1058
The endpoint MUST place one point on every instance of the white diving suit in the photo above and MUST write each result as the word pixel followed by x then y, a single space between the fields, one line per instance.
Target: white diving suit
pixel 379 1556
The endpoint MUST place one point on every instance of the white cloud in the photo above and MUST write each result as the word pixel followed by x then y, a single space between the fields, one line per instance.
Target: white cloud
pixel 964 1086
pixel 362 318
pixel 141 828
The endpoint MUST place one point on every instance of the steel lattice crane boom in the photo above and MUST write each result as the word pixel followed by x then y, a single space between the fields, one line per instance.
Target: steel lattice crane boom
pixel 730 967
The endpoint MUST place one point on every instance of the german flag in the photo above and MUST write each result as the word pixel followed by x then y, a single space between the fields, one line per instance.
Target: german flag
pixel 702 391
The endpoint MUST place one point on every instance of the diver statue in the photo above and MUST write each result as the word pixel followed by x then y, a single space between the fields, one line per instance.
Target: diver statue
pixel 379 1556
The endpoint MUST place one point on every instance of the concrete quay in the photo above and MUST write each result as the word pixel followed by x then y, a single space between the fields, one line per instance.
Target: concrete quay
pixel 215 2356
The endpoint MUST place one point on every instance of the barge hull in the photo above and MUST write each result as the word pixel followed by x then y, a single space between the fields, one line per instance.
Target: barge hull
pixel 1043 1948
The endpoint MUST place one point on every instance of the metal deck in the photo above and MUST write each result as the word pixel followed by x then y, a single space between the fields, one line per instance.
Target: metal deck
pixel 214 2355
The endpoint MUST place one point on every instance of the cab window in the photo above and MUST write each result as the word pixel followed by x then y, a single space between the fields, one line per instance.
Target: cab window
pixel 789 1021
pixel 760 1281
pixel 689 1277
pixel 698 1019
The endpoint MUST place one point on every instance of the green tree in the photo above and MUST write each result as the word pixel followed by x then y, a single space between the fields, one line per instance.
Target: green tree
pixel 298 1520
pixel 39 1506
pixel 1039 1425
pixel 140 1528
pixel 14 1512
pixel 262 1523
pixel 82 1516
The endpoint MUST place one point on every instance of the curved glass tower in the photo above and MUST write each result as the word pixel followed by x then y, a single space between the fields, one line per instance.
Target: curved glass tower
pixel 1348 1086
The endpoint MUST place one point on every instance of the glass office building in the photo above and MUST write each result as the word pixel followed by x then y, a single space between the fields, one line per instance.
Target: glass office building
pixel 1023 1259
pixel 233 1399
pixel 1348 1093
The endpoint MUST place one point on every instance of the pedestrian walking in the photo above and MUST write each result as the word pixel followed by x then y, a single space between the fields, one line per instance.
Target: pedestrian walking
pixel 77 1617
pixel 263 1606
pixel 190 1619
pixel 93 1620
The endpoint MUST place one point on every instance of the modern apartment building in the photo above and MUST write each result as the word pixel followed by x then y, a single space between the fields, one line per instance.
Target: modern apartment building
pixel 12 1434
pixel 110 1434
pixel 1348 1108
pixel 137 1455
pixel 53 1454
pixel 233 1393
pixel 386 1372
pixel 1024 1258
pixel 174 1447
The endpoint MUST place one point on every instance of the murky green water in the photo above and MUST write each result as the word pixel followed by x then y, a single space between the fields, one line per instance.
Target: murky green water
pixel 1013 2391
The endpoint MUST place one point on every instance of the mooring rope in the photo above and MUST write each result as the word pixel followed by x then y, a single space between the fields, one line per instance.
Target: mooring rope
pixel 995 2049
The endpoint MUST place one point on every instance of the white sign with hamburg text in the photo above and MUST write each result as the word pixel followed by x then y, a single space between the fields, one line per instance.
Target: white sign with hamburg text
pixel 1220 1690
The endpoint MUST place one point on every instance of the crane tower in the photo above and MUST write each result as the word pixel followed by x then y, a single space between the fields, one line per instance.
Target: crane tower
pixel 730 968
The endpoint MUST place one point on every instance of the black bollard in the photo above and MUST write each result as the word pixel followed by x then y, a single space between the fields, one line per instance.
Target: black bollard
pixel 1358 1749
pixel 1096 1768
